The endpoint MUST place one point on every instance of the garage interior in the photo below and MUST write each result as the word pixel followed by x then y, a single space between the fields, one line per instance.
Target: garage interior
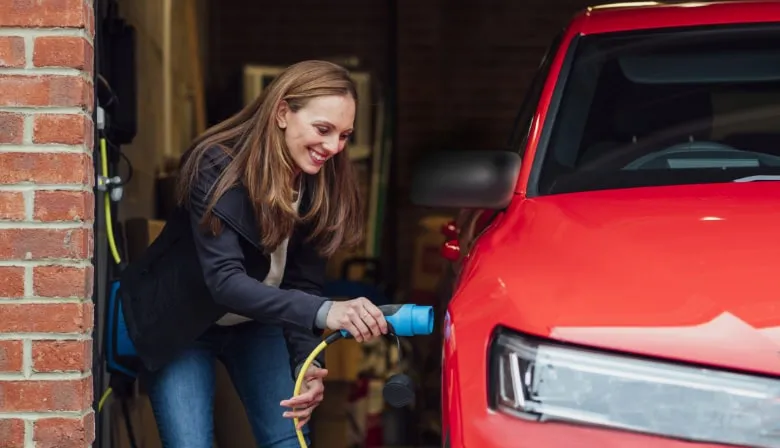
pixel 432 74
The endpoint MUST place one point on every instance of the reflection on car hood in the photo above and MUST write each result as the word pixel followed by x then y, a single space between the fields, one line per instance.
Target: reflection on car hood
pixel 689 273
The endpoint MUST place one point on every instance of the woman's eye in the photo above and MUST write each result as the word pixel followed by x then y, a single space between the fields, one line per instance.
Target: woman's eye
pixel 322 130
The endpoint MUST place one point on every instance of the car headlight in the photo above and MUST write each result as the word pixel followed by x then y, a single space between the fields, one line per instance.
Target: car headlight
pixel 541 380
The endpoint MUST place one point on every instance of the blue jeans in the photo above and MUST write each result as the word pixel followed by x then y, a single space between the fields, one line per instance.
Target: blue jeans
pixel 257 360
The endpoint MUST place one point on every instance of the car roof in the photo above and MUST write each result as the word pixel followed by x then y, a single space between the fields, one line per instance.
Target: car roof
pixel 643 15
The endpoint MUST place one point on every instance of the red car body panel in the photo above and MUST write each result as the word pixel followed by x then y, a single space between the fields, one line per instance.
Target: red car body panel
pixel 520 272
pixel 667 297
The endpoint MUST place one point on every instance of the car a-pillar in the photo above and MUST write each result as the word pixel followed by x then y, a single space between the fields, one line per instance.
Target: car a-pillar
pixel 46 216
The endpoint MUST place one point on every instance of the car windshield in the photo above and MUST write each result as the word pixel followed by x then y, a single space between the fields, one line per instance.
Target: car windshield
pixel 665 108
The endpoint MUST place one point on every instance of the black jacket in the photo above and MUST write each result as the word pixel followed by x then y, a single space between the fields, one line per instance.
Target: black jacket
pixel 187 280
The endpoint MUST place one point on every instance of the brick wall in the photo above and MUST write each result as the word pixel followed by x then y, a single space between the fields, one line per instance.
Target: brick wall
pixel 46 214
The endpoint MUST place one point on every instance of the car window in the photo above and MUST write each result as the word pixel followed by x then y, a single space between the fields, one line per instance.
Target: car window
pixel 522 127
pixel 666 108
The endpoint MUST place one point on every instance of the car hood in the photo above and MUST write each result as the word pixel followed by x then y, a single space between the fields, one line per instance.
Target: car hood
pixel 688 273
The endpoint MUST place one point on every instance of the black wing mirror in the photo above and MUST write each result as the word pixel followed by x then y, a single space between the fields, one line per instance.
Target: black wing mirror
pixel 466 179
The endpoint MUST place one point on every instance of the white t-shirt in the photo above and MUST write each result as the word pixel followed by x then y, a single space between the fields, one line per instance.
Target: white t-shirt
pixel 275 273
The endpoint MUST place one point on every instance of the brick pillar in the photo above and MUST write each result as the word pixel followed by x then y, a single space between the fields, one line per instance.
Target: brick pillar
pixel 46 215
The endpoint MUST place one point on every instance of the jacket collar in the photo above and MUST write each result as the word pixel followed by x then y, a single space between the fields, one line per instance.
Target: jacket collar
pixel 236 210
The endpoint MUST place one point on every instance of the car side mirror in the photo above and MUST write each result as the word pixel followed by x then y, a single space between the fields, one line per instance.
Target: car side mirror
pixel 466 179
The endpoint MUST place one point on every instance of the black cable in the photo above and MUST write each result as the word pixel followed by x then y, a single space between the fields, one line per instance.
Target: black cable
pixel 128 423
pixel 111 92
pixel 398 344
pixel 129 177
pixel 116 152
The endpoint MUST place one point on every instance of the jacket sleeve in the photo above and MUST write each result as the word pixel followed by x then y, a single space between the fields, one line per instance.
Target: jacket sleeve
pixel 222 261
pixel 305 272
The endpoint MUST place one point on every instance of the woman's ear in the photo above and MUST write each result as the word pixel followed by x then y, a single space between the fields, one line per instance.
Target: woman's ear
pixel 281 114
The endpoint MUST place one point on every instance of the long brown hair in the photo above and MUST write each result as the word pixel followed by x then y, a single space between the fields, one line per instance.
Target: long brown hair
pixel 261 162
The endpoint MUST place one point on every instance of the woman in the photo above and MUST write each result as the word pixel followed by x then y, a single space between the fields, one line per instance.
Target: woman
pixel 236 274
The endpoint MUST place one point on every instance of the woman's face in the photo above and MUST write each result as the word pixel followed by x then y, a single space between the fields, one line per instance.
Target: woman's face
pixel 318 131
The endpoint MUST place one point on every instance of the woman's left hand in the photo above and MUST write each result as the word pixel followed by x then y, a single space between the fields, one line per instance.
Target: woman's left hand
pixel 312 393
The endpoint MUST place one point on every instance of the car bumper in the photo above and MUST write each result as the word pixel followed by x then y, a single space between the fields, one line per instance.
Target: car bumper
pixel 498 430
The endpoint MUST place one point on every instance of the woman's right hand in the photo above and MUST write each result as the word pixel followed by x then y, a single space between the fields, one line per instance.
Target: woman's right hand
pixel 361 318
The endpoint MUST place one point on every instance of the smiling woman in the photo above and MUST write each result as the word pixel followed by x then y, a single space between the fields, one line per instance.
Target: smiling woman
pixel 237 273
pixel 304 115
pixel 317 132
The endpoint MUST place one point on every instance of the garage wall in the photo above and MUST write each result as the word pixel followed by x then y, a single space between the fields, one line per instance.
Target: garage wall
pixel 281 33
pixel 147 152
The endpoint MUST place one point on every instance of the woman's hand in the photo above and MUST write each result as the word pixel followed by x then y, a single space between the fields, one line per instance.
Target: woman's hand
pixel 311 395
pixel 361 318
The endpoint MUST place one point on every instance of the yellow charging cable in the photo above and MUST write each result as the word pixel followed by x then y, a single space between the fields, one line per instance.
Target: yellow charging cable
pixel 104 398
pixel 333 337
pixel 106 195
pixel 110 233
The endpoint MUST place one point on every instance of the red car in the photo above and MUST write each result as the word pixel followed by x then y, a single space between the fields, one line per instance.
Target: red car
pixel 620 286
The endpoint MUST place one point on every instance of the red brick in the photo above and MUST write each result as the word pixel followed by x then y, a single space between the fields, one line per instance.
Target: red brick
pixel 11 128
pixel 12 52
pixel 45 396
pixel 44 244
pixel 90 22
pixel 46 90
pixel 11 281
pixel 69 129
pixel 62 206
pixel 62 356
pixel 10 356
pixel 45 318
pixel 64 432
pixel 46 168
pixel 12 433
pixel 11 206
pixel 62 281
pixel 63 51
pixel 44 13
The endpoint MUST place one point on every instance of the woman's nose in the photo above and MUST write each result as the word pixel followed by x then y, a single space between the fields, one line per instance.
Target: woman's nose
pixel 332 145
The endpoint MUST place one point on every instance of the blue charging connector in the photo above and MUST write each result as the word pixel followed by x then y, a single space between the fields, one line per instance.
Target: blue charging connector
pixel 406 320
